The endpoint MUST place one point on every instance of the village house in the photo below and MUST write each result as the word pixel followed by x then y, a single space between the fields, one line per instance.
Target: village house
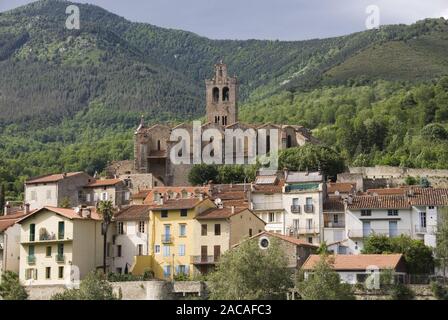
pixel 113 190
pixel 411 211
pixel 131 237
pixel 59 245
pixel 355 269
pixel 56 190
pixel 10 240
pixel 296 251
pixel 303 197
pixel 217 230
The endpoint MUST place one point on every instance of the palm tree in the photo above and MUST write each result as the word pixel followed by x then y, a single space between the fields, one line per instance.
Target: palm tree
pixel 106 209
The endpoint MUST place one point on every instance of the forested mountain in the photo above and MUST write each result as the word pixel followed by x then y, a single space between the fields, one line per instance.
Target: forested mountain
pixel 70 98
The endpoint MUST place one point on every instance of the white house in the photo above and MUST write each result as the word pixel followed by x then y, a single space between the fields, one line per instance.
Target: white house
pixel 303 197
pixel 354 269
pixel 409 211
pixel 131 236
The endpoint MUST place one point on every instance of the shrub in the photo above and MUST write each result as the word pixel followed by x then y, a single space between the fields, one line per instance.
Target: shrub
pixel 440 291
pixel 400 291
pixel 10 287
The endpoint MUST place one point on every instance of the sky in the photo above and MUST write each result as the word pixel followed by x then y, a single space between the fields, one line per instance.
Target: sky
pixel 266 19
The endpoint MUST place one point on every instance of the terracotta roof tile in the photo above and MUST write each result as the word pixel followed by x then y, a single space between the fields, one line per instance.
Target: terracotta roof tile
pixel 67 213
pixel 103 183
pixel 357 262
pixel 177 192
pixel 334 205
pixel 341 187
pixel 177 204
pixel 51 177
pixel 134 212
pixel 216 213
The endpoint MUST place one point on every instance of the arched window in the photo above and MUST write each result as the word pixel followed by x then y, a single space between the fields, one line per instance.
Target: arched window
pixel 225 94
pixel 289 142
pixel 215 94
pixel 158 145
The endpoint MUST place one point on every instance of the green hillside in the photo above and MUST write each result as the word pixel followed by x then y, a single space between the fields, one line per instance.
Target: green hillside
pixel 70 99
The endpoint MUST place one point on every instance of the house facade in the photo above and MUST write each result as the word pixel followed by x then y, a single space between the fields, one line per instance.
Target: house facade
pixel 59 245
pixel 56 190
pixel 114 190
pixel 131 237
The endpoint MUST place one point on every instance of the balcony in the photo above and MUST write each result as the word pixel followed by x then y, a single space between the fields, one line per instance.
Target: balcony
pixel 167 238
pixel 47 237
pixel 360 233
pixel 267 205
pixel 425 230
pixel 60 258
pixel 308 208
pixel 296 231
pixel 295 208
pixel 204 259
pixel 31 259
pixel 330 224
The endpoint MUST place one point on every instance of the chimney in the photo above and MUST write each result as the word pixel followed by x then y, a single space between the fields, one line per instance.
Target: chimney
pixel 161 200
pixel 232 208
pixel 201 196
pixel 27 208
pixel 64 175
pixel 285 172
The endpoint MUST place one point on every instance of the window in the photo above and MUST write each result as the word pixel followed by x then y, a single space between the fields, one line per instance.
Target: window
pixel 366 213
pixel 119 270
pixel 141 226
pixel 47 273
pixel 61 230
pixel 310 240
pixel 166 271
pixel 225 94
pixel 120 228
pixel 31 251
pixel 392 212
pixel 217 229
pixel 215 94
pixel 127 196
pixel 104 196
pixel 88 197
pixel 271 217
pixel 166 251
pixel 182 269
pixel 182 230
pixel 250 232
pixel 48 194
pixel 431 207
pixel 183 212
pixel 157 249
pixel 140 249
pixel 60 249
pixel 335 218
pixel 295 224
pixel 164 213
pixel 48 252
pixel 203 230
pixel 33 196
pixel 422 216
pixel 181 250
pixel 158 145
pixel 32 232
pixel 61 272
pixel 118 250
pixel 31 274
pixel 309 201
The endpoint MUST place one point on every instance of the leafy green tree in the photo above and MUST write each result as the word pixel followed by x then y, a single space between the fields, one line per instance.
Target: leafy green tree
pixel 93 287
pixel 249 272
pixel 324 283
pixel 419 257
pixel 203 173
pixel 410 181
pixel 11 288
pixel 441 250
pixel 312 157
pixel 106 209
pixel 434 131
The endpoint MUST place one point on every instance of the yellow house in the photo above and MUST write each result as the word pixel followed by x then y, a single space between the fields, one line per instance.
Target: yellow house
pixel 58 245
pixel 171 235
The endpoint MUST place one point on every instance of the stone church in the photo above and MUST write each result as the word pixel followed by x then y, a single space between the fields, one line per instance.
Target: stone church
pixel 152 144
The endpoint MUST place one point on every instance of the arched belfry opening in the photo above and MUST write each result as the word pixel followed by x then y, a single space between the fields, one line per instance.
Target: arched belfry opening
pixel 215 94
pixel 225 94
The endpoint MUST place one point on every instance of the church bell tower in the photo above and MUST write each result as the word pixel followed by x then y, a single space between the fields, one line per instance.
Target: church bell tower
pixel 222 97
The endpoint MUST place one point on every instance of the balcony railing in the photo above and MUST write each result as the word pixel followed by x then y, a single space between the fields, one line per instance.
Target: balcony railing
pixel 330 224
pixel 47 237
pixel 425 230
pixel 278 205
pixel 311 230
pixel 359 233
pixel 31 259
pixel 308 208
pixel 295 208
pixel 167 238
pixel 60 258
pixel 204 259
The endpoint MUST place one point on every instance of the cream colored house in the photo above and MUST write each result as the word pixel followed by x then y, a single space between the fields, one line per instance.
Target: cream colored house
pixel 114 190
pixel 58 245
pixel 217 230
